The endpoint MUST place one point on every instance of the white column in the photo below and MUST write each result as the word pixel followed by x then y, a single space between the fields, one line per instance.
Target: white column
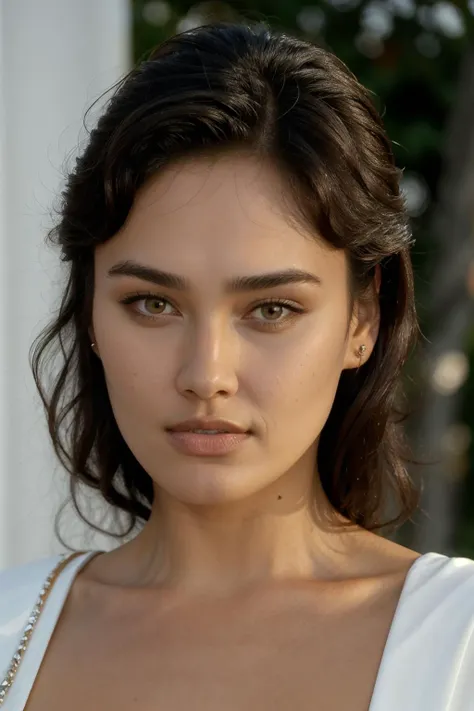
pixel 56 57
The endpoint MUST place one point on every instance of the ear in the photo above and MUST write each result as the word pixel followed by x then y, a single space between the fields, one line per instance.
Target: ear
pixel 365 324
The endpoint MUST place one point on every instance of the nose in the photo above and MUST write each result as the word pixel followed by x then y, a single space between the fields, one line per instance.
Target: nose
pixel 208 365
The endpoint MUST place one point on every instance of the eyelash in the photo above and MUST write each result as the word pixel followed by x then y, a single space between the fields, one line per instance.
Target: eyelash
pixel 143 296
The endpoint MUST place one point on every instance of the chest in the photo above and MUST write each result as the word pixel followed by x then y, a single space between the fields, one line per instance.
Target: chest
pixel 227 659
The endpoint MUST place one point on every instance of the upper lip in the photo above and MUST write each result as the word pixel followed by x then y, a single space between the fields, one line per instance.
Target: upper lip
pixel 207 423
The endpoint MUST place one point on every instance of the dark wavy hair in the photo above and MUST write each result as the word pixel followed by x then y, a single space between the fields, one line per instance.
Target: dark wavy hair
pixel 214 89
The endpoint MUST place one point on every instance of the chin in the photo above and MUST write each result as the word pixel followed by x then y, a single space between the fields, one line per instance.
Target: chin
pixel 210 488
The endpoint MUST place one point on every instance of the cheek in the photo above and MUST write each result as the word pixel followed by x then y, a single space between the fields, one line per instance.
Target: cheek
pixel 137 384
pixel 296 385
pixel 137 370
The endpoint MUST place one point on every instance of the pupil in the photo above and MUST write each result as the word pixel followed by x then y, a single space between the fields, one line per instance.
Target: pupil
pixel 273 310
pixel 156 302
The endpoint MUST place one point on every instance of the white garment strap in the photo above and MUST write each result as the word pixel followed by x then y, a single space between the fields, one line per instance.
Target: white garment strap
pixel 428 662
pixel 18 693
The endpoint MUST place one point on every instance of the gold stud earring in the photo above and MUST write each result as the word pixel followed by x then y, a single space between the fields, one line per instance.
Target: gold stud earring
pixel 361 351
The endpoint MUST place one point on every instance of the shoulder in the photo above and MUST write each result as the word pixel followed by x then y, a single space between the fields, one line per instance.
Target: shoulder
pixel 20 590
pixel 431 645
pixel 437 607
pixel 20 587
pixel 442 585
pixel 443 573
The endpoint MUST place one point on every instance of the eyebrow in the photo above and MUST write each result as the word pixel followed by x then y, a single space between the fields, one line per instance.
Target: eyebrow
pixel 234 285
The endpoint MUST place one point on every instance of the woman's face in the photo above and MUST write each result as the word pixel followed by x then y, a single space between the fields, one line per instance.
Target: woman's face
pixel 237 333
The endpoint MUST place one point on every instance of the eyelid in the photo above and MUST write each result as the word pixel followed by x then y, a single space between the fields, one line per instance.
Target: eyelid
pixel 137 295
pixel 286 303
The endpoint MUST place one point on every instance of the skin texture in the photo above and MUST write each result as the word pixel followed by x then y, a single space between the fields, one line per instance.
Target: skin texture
pixel 257 514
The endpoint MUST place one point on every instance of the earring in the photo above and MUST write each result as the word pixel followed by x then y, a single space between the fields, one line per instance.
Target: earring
pixel 361 351
pixel 92 345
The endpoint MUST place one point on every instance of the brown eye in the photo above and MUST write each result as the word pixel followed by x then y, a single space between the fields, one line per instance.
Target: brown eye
pixel 148 305
pixel 272 312
pixel 276 313
pixel 154 305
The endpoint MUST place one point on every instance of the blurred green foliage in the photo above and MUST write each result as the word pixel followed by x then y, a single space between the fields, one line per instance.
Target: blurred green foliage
pixel 408 53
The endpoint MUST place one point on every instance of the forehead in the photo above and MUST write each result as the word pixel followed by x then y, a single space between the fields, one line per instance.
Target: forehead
pixel 227 215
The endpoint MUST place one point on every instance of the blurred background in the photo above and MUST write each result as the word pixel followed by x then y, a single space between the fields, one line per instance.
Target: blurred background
pixel 57 57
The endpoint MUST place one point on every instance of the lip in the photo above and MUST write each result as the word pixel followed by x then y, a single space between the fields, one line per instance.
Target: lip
pixel 208 423
pixel 207 445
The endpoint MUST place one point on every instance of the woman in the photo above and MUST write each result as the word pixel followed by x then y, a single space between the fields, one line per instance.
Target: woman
pixel 240 183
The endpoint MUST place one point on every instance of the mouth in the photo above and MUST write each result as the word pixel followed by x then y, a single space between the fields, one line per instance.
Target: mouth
pixel 207 443
pixel 206 432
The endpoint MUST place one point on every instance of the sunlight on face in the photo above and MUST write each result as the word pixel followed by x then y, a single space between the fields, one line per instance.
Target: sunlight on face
pixel 203 343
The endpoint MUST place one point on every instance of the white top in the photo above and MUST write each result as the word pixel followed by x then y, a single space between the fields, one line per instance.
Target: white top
pixel 427 663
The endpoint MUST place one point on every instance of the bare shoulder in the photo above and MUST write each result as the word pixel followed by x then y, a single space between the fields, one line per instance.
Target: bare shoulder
pixel 385 557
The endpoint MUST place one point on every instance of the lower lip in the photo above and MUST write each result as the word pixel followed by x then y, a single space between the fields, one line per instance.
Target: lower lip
pixel 207 445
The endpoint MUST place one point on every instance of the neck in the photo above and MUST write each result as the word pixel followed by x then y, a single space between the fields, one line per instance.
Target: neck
pixel 284 533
